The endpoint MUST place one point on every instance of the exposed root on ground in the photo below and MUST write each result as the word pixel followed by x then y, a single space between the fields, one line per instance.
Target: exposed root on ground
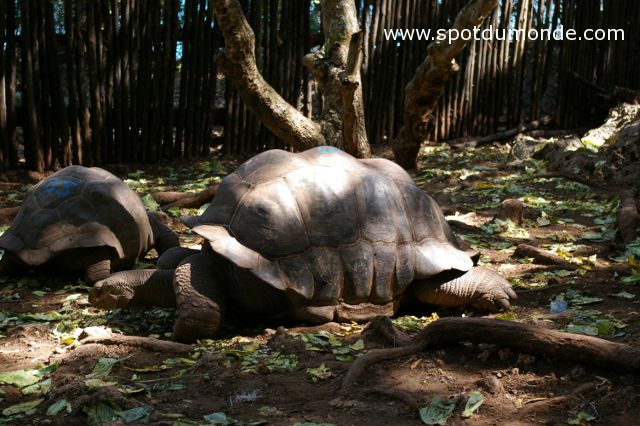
pixel 149 343
pixel 525 338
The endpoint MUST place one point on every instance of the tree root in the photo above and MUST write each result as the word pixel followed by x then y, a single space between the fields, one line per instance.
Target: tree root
pixel 171 199
pixel 390 332
pixel 149 343
pixel 544 257
pixel 376 356
pixel 525 338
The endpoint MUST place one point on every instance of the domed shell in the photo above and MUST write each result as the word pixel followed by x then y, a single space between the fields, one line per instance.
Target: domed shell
pixel 79 207
pixel 329 227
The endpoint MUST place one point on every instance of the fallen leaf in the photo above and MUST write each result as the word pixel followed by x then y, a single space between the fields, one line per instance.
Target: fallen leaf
pixel 474 402
pixel 319 373
pixel 58 407
pixel 437 412
pixel 102 368
pixel 27 408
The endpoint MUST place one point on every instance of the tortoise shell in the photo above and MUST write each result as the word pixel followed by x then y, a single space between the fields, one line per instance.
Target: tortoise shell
pixel 325 226
pixel 79 207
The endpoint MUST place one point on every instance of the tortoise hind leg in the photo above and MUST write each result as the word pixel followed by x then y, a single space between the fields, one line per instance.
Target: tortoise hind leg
pixel 199 298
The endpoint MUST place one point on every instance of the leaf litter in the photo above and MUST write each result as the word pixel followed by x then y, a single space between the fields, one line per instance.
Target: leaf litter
pixel 585 213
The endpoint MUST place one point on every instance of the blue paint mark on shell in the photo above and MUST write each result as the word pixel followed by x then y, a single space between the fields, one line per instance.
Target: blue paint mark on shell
pixel 60 187
pixel 327 149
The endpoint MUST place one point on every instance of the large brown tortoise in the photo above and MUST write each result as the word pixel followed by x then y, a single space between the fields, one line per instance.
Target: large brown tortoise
pixel 84 221
pixel 315 236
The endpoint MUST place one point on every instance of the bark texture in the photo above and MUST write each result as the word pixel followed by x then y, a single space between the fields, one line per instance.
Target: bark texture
pixel 238 62
pixel 336 66
pixel 428 84
pixel 525 338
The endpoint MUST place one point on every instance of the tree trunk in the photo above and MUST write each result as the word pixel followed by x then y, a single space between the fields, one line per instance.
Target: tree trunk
pixel 97 118
pixel 33 149
pixel 427 86
pixel 336 67
pixel 57 87
pixel 10 87
pixel 4 143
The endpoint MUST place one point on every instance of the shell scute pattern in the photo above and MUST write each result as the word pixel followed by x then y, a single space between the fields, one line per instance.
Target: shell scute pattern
pixel 337 228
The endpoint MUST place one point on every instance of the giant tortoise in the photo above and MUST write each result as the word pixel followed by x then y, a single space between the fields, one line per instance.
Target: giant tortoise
pixel 82 220
pixel 315 236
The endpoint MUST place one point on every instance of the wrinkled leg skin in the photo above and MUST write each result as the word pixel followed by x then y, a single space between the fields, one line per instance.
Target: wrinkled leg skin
pixel 481 288
pixel 140 288
pixel 199 298
pixel 93 264
pixel 97 271
pixel 164 238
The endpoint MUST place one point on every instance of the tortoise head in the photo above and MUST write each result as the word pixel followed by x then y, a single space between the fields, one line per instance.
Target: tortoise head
pixel 112 292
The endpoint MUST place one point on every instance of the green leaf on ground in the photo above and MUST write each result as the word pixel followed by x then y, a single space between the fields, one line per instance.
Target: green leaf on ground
pixel 150 203
pixel 319 373
pixel 44 316
pixel 20 378
pixel 581 418
pixel 437 412
pixel 218 419
pixel 582 329
pixel 40 388
pixel 624 295
pixel 633 279
pixel 102 368
pixel 135 414
pixel 58 407
pixel 26 408
pixel 23 378
pixel 474 402
pixel 100 414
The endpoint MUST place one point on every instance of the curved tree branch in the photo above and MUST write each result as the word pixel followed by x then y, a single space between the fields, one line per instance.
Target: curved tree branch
pixel 238 62
pixel 336 67
pixel 427 86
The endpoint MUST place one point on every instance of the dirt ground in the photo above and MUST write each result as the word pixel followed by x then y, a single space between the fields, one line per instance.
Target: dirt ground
pixel 263 374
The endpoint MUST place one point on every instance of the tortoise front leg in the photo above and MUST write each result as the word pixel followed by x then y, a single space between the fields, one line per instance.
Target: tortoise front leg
pixel 199 298
pixel 163 237
pixel 171 258
pixel 94 263
pixel 97 271
pixel 480 287
pixel 133 289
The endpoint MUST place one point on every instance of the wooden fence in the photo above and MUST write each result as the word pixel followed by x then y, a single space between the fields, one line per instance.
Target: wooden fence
pixel 111 81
